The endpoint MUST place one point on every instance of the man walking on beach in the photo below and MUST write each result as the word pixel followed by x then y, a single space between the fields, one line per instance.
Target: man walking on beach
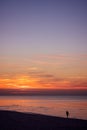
pixel 67 114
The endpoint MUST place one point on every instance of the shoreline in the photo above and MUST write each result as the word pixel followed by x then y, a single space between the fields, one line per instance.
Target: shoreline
pixel 12 120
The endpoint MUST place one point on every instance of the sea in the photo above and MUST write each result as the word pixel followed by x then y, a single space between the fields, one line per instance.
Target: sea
pixel 48 105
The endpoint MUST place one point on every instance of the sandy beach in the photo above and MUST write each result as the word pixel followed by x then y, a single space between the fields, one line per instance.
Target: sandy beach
pixel 11 120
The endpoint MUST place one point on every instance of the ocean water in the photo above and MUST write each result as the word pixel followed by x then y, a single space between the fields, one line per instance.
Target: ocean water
pixel 49 105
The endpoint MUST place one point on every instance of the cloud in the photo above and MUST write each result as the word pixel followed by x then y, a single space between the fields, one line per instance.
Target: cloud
pixel 32 68
pixel 37 77
pixel 79 84
pixel 45 75
pixel 59 59
pixel 54 56
pixel 59 56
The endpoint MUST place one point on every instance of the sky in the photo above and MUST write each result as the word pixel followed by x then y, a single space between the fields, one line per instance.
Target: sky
pixel 43 45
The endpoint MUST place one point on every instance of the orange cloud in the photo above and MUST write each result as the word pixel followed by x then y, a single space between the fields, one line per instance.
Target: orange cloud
pixel 45 71
pixel 41 80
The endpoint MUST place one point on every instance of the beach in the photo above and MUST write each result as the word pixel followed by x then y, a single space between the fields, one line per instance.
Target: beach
pixel 12 120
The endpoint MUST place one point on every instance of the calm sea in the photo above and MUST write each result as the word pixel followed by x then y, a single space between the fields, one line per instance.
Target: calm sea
pixel 50 105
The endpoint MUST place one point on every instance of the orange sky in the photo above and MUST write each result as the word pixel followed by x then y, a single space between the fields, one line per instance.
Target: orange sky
pixel 45 72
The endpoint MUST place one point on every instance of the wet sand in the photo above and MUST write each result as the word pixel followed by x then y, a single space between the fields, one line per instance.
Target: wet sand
pixel 11 120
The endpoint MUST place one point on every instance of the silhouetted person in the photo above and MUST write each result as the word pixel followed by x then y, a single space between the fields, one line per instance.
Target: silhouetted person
pixel 67 114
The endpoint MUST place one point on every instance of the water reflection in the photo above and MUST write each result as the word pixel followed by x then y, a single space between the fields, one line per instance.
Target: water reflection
pixel 46 105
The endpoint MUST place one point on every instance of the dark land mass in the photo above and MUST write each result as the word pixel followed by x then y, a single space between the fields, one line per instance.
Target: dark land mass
pixel 11 120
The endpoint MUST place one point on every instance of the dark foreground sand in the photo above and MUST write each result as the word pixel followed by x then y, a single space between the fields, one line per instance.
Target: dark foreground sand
pixel 10 120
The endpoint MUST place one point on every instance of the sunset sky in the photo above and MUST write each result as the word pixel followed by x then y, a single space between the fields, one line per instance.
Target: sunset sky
pixel 43 44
